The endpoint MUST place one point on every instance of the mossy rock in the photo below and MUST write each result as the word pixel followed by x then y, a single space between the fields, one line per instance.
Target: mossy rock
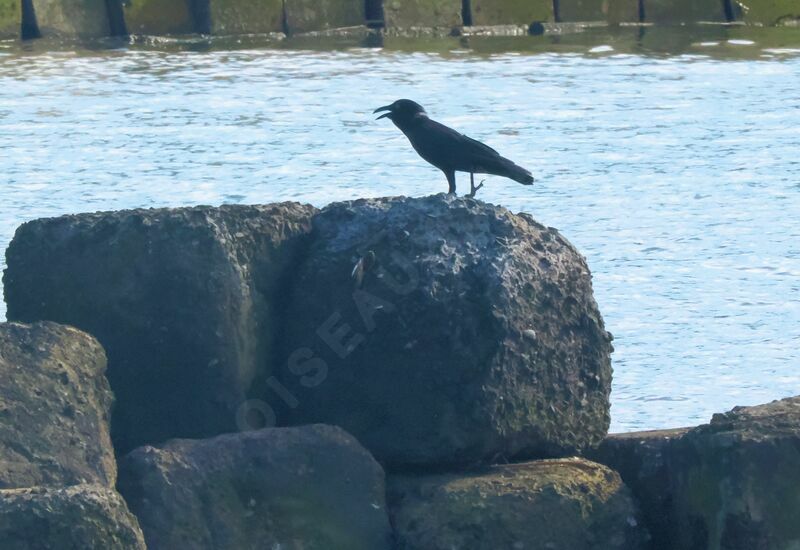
pixel 422 13
pixel 85 517
pixel 55 404
pixel 158 17
pixel 736 481
pixel 10 19
pixel 317 15
pixel 768 12
pixel 79 18
pixel 246 16
pixel 312 487
pixel 683 11
pixel 569 503
pixel 510 12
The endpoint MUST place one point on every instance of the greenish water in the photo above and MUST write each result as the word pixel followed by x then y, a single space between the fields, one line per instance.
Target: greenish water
pixel 669 156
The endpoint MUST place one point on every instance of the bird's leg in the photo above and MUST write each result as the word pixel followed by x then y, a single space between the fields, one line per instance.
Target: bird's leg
pixel 472 188
pixel 451 182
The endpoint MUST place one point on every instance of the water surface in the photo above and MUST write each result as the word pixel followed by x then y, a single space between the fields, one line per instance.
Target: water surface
pixel 670 158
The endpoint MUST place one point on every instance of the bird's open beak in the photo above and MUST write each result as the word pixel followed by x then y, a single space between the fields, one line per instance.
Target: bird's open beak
pixel 384 108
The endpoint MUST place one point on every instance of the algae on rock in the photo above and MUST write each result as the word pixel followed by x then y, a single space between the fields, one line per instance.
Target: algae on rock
pixel 566 503
pixel 55 405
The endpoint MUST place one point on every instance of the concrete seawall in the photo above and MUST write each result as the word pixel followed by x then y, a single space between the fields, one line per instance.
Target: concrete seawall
pixel 98 18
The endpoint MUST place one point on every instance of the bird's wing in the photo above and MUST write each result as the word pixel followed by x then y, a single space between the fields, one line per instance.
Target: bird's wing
pixel 479 146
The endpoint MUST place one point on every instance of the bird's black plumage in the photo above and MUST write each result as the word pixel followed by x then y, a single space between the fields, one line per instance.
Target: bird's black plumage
pixel 449 150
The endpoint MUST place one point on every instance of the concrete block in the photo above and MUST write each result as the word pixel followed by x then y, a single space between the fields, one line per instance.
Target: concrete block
pixel 422 13
pixel 317 15
pixel 683 11
pixel 768 12
pixel 510 12
pixel 159 17
pixel 81 18
pixel 621 11
pixel 246 16
pixel 10 19
pixel 581 10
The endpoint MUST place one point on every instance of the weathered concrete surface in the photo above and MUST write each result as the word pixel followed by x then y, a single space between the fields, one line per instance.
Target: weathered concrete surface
pixel 246 16
pixel 736 481
pixel 422 13
pixel 316 15
pixel 683 11
pixel 642 460
pixel 81 517
pixel 54 408
pixel 158 17
pixel 510 12
pixel 621 11
pixel 80 18
pixel 549 504
pixel 582 10
pixel 10 19
pixel 769 12
pixel 185 302
pixel 474 333
pixel 312 487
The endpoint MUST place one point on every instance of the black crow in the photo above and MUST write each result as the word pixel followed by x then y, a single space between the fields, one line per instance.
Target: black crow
pixel 448 150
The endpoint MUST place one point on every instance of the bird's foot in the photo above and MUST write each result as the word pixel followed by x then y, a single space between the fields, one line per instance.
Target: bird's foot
pixel 474 189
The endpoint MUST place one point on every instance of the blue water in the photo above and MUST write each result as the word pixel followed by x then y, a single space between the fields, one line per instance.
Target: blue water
pixel 675 170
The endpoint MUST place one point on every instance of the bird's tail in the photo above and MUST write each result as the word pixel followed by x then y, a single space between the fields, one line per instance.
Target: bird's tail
pixel 507 168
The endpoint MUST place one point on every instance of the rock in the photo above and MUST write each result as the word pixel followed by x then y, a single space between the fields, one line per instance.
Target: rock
pixel 316 15
pixel 510 12
pixel 429 361
pixel 643 461
pixel 313 487
pixel 422 13
pixel 159 17
pixel 544 505
pixel 54 408
pixel 768 12
pixel 10 19
pixel 736 481
pixel 85 517
pixel 78 18
pixel 683 11
pixel 246 16
pixel 186 302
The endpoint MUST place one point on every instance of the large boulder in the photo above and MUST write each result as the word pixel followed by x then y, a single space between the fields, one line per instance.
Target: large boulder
pixel 510 12
pixel 422 13
pixel 186 302
pixel 464 332
pixel 643 461
pixel 81 517
pixel 74 18
pixel 736 481
pixel 317 15
pixel 54 408
pixel 313 487
pixel 569 504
